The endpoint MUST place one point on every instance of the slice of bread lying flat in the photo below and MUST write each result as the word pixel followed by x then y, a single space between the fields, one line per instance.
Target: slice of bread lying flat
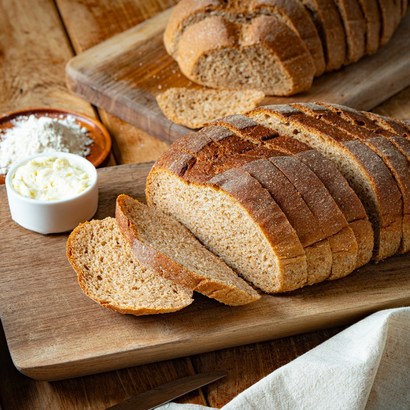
pixel 163 244
pixel 194 108
pixel 109 274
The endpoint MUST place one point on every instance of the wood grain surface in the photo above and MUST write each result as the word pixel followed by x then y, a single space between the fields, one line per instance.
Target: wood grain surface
pixel 64 334
pixel 125 73
pixel 35 45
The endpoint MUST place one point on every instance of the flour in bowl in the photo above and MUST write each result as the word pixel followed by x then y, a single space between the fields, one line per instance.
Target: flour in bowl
pixel 34 135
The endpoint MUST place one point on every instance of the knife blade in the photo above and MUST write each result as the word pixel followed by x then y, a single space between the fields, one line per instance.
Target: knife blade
pixel 167 392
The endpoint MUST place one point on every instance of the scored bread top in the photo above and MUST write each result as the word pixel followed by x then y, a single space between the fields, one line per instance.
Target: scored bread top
pixel 164 245
pixel 108 273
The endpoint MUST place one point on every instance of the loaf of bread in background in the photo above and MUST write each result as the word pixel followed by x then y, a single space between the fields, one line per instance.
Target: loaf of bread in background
pixel 276 46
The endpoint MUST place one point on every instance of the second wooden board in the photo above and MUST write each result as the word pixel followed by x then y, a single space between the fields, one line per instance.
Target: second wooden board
pixel 124 74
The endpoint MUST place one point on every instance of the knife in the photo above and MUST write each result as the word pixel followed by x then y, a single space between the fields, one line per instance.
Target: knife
pixel 167 392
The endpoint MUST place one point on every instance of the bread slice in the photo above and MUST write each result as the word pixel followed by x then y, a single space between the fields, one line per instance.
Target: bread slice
pixel 164 245
pixel 365 171
pixel 391 15
pixel 296 17
pixel 330 27
pixel 108 273
pixel 371 12
pixel 346 199
pixel 355 29
pixel 236 218
pixel 194 108
pixel 386 150
pixel 317 248
pixel 264 54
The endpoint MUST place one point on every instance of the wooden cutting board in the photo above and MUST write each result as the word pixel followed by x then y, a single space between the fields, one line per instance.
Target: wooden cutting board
pixel 54 331
pixel 124 74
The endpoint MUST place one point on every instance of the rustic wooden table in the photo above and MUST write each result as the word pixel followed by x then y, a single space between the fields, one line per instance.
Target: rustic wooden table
pixel 36 41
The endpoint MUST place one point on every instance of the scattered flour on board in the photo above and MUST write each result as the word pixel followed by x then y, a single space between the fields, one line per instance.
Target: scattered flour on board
pixel 34 135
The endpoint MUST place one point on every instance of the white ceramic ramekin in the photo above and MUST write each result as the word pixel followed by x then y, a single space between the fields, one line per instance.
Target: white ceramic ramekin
pixel 58 215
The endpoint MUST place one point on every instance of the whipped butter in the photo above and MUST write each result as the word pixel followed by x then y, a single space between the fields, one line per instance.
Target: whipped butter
pixel 49 179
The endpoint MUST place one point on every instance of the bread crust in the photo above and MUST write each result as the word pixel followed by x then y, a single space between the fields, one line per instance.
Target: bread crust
pixel 316 245
pixel 183 10
pixel 156 260
pixel 355 29
pixel 330 28
pixel 371 12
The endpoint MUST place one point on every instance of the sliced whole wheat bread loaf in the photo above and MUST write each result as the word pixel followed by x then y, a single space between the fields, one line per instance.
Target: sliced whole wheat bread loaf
pixel 290 12
pixel 365 171
pixel 276 46
pixel 164 245
pixel 108 273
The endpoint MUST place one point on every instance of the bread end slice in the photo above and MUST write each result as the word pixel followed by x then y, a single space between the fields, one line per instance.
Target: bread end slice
pixel 108 274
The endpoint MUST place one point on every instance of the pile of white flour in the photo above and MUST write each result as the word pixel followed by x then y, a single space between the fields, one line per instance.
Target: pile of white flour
pixel 34 135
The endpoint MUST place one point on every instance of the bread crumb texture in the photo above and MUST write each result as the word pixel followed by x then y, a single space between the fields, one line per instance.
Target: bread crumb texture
pixel 194 108
pixel 108 273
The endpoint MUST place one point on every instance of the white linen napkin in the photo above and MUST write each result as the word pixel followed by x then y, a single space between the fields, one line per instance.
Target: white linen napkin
pixel 366 366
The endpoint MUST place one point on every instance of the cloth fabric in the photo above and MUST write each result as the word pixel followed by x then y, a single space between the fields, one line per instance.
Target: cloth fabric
pixel 366 366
